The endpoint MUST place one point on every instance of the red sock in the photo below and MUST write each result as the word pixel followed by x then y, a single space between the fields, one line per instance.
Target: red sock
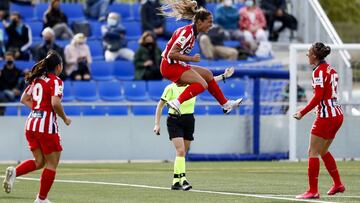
pixel 215 91
pixel 25 167
pixel 46 181
pixel 191 91
pixel 313 174
pixel 331 167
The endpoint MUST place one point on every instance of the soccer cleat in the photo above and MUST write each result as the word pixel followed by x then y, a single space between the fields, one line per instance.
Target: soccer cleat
pixel 176 186
pixel 308 195
pixel 335 189
pixel 9 180
pixel 186 186
pixel 231 104
pixel 175 105
pixel 38 200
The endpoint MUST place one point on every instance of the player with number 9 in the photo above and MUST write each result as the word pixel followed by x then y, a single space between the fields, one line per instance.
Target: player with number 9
pixel 43 97
pixel 328 121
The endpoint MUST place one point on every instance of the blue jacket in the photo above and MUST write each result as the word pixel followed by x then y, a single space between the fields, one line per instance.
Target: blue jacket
pixel 227 17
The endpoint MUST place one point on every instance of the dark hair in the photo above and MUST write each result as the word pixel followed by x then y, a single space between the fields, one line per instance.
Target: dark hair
pixel 320 50
pixel 45 66
pixel 17 14
pixel 183 9
pixel 145 35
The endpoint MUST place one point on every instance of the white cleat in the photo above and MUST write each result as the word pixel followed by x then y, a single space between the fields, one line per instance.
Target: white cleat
pixel 231 104
pixel 38 200
pixel 175 105
pixel 9 180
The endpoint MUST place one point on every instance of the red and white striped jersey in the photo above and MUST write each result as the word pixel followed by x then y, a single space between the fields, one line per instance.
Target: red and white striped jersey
pixel 324 82
pixel 42 118
pixel 184 38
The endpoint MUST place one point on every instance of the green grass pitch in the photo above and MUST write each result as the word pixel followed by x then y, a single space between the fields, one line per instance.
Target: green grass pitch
pixel 212 182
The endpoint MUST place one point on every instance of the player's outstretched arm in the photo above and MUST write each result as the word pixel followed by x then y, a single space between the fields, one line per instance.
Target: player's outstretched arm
pixel 159 109
pixel 26 99
pixel 59 110
pixel 227 73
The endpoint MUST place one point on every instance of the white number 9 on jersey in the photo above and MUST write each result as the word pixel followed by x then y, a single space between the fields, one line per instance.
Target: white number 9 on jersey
pixel 37 95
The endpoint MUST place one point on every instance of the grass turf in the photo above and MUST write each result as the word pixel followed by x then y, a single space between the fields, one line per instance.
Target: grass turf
pixel 259 178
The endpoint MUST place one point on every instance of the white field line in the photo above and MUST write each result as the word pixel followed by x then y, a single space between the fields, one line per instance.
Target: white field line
pixel 333 196
pixel 165 188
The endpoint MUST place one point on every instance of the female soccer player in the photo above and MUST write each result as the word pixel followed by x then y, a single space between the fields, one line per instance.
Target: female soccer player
pixel 43 96
pixel 328 121
pixel 177 51
pixel 181 127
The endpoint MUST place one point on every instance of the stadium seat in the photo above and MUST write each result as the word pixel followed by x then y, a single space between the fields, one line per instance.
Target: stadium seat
pixel 85 91
pixel 72 110
pixel 133 45
pixel 161 44
pixel 68 94
pixel 156 88
pixel 102 70
pixel 173 26
pixel 117 110
pixel 24 65
pixel 25 111
pixel 233 89
pixel 133 29
pixel 11 111
pixel 136 11
pixel 110 91
pixel 40 10
pixel 230 43
pixel 96 49
pixel 200 110
pixel 124 70
pixel 94 110
pixel 73 11
pixel 144 110
pixel 63 43
pixel 26 11
pixel 195 49
pixel 36 29
pixel 206 96
pixel 124 9
pixel 135 91
pixel 95 30
pixel 211 7
pixel 217 110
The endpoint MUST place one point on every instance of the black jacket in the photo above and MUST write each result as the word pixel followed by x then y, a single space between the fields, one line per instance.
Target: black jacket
pixel 41 50
pixel 114 38
pixel 270 6
pixel 54 17
pixel 9 78
pixel 149 17
pixel 18 40
pixel 4 5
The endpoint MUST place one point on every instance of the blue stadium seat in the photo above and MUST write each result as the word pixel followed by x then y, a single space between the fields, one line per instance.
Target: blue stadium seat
pixel 135 91
pixel 156 88
pixel 206 96
pixel 133 29
pixel 110 91
pixel 217 110
pixel 36 29
pixel 72 110
pixel 144 110
pixel 95 30
pixel 200 110
pixel 102 70
pixel 196 49
pixel 24 65
pixel 124 70
pixel 96 49
pixel 238 6
pixel 136 11
pixel 85 91
pixel 233 89
pixel 161 44
pixel 68 94
pixel 63 43
pixel 94 110
pixel 74 11
pixel 117 110
pixel 124 9
pixel 11 111
pixel 211 7
pixel 232 43
pixel 173 26
pixel 26 11
pixel 25 111
pixel 40 10
pixel 133 45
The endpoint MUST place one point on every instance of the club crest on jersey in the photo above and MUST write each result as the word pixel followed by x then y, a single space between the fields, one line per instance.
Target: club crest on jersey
pixel 182 40
pixel 61 89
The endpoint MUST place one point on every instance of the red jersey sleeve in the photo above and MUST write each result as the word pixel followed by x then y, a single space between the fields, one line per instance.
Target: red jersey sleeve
pixel 183 38
pixel 318 83
pixel 57 88
pixel 29 89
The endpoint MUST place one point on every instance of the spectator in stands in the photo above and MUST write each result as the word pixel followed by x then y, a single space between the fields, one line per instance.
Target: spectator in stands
pixel 57 20
pixel 227 16
pixel 97 8
pixel 4 9
pixel 151 21
pixel 201 3
pixel 20 38
pixel 9 78
pixel 275 10
pixel 114 40
pixel 212 45
pixel 26 2
pixel 252 22
pixel 78 58
pixel 48 44
pixel 147 58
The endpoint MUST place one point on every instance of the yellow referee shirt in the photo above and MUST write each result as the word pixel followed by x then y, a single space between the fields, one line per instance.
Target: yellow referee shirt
pixel 171 92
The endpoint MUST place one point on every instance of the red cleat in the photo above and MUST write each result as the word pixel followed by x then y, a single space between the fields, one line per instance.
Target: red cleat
pixel 335 189
pixel 308 195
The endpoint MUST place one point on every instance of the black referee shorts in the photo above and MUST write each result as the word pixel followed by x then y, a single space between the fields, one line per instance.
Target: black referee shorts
pixel 181 126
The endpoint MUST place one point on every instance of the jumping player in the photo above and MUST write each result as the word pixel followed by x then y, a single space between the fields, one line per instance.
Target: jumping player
pixel 328 121
pixel 43 97
pixel 173 66
pixel 181 128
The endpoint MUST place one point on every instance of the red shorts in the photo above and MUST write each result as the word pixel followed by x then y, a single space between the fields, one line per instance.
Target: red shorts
pixel 48 143
pixel 327 127
pixel 174 71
